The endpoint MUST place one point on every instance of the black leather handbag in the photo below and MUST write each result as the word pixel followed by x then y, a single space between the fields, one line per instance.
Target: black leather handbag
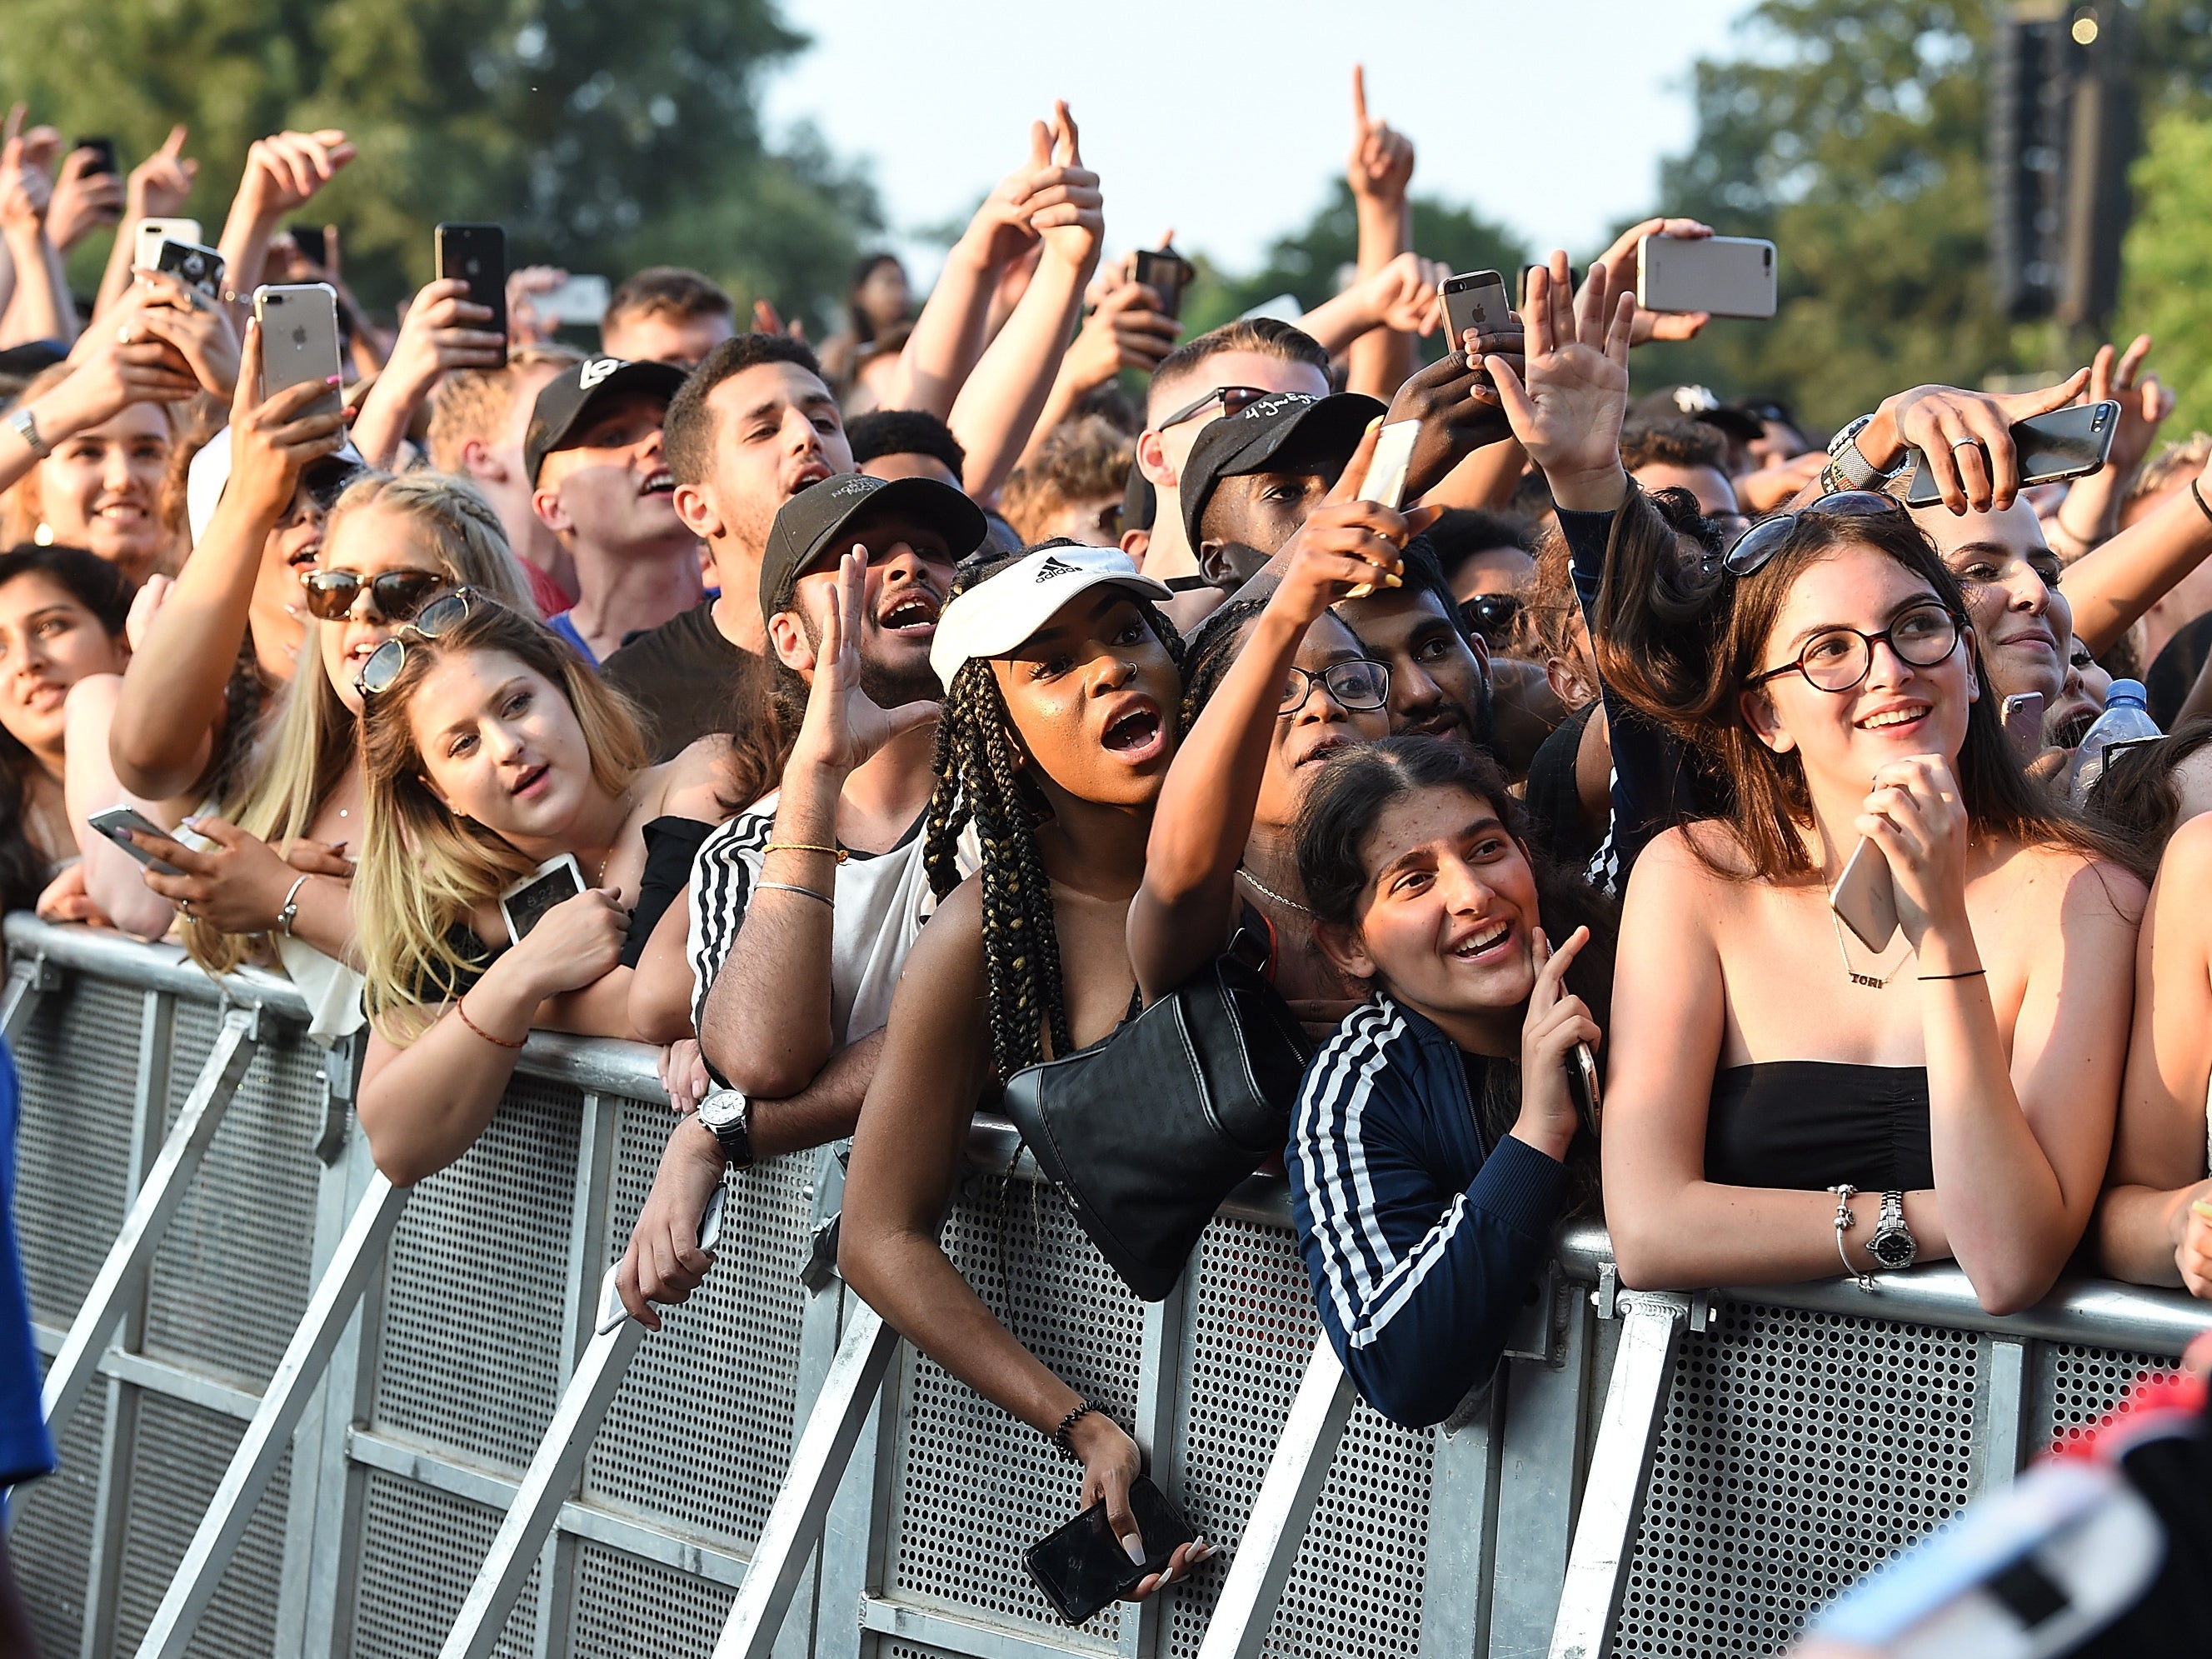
pixel 1145 1131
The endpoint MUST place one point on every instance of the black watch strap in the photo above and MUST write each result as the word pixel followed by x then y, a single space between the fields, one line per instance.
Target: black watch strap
pixel 728 1116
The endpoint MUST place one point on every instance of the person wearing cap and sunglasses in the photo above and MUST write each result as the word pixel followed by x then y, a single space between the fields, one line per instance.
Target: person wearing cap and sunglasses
pixel 1059 725
pixel 804 908
pixel 1780 1101
pixel 1252 477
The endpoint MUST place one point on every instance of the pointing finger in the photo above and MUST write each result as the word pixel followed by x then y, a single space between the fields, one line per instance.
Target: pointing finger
pixel 1359 96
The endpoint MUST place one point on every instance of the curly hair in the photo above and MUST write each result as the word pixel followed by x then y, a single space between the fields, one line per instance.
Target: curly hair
pixel 978 763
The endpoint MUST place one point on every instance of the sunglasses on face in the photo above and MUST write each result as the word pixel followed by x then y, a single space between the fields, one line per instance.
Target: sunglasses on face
pixel 396 595
pixel 1491 615
pixel 1357 683
pixel 1838 659
pixel 1752 550
pixel 1234 400
pixel 436 619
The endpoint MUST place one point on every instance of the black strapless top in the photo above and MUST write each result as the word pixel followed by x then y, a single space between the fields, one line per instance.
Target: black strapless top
pixel 1810 1124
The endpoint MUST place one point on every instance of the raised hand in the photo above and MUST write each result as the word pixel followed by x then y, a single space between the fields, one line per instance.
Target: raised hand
pixel 26 193
pixel 160 186
pixel 842 726
pixel 2144 401
pixel 524 325
pixel 272 440
pixel 174 310
pixel 1567 404
pixel 1382 161
pixel 1965 437
pixel 1126 329
pixel 1069 213
pixel 1346 548
pixel 443 329
pixel 284 172
pixel 83 201
pixel 1619 262
pixel 1556 1021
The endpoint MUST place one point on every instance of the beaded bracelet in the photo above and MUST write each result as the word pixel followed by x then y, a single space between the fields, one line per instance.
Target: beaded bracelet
pixel 1060 1436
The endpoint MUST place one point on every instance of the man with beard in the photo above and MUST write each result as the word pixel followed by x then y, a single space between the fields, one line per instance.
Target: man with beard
pixel 804 908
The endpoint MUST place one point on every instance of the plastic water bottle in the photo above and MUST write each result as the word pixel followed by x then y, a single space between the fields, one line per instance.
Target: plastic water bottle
pixel 2125 719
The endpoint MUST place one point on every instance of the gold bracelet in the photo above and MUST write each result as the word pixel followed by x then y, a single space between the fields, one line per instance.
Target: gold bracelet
pixel 837 852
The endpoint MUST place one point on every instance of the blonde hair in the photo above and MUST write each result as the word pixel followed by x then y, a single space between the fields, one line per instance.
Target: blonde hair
pixel 1083 459
pixel 477 403
pixel 312 743
pixel 424 871
pixel 20 511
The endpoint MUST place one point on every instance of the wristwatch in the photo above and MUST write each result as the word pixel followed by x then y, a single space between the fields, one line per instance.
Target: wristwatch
pixel 1850 469
pixel 1892 1245
pixel 26 428
pixel 729 1114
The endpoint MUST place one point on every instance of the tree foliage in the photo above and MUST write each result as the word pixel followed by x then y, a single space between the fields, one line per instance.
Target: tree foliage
pixel 2167 290
pixel 602 137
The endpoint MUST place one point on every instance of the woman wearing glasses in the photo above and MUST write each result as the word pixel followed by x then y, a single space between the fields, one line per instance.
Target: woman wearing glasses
pixel 488 751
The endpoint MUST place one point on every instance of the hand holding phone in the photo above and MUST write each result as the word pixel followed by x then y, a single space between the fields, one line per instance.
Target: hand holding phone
pixel 1721 275
pixel 1473 300
pixel 300 341
pixel 1865 896
pixel 118 822
pixel 524 905
pixel 1167 273
pixel 1081 1567
pixel 477 254
pixel 1385 483
pixel 2067 443
pixel 2023 724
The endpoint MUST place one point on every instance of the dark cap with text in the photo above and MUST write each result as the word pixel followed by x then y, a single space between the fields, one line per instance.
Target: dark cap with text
pixel 1290 425
pixel 818 523
pixel 569 396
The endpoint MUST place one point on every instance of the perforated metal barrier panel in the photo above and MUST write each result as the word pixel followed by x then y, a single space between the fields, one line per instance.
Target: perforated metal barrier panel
pixel 1796 1447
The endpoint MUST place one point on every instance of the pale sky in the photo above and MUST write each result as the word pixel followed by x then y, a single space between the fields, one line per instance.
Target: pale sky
pixel 1227 123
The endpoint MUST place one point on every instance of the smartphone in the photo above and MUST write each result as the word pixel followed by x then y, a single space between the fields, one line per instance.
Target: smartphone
pixel 1582 1084
pixel 298 340
pixel 117 822
pixel 581 299
pixel 1727 275
pixel 1386 477
pixel 1864 898
pixel 476 255
pixel 200 267
pixel 152 232
pixel 525 904
pixel 2023 724
pixel 313 242
pixel 105 148
pixel 1167 273
pixel 611 1311
pixel 1474 298
pixel 2067 443
pixel 1082 1566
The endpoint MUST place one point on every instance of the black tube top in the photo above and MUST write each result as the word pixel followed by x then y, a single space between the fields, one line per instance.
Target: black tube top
pixel 1810 1124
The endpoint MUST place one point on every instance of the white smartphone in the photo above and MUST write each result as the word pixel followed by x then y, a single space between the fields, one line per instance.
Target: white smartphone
pixel 117 822
pixel 1727 275
pixel 152 232
pixel 524 905
pixel 611 1311
pixel 1865 898
pixel 581 299
pixel 1385 481
pixel 298 340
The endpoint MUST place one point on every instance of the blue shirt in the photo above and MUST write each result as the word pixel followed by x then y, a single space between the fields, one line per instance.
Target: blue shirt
pixel 27 1450
pixel 567 630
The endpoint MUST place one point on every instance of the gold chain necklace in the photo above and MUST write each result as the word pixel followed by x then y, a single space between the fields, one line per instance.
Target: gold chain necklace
pixel 1872 981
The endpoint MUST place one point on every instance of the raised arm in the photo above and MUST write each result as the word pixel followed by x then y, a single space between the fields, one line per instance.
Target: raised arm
pixel 39 307
pixel 442 331
pixel 2090 514
pixel 1379 170
pixel 282 174
pixel 108 376
pixel 2111 587
pixel 157 189
pixel 1125 330
pixel 998 407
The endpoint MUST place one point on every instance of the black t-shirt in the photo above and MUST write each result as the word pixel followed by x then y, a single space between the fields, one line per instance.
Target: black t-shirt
pixel 688 680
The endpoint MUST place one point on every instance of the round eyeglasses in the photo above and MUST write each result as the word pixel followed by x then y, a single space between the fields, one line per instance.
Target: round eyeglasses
pixel 1838 659
pixel 436 619
pixel 1356 683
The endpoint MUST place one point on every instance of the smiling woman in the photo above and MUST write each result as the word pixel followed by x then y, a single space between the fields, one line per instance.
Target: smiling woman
pixel 100 488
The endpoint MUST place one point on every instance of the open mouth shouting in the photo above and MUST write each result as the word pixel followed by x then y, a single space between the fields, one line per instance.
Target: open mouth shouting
pixel 915 608
pixel 1135 732
pixel 659 481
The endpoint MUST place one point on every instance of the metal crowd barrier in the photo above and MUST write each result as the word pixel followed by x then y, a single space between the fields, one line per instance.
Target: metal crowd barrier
pixel 304 1414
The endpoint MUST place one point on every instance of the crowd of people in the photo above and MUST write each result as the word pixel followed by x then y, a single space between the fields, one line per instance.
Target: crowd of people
pixel 919 713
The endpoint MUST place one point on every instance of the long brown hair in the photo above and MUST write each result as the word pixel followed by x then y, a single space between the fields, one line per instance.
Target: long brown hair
pixel 1680 638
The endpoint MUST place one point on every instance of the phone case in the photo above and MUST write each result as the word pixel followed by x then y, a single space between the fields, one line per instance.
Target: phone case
pixel 2067 443
pixel 201 267
pixel 299 340
pixel 152 232
pixel 1726 275
pixel 1474 298
pixel 1080 1567
pixel 1167 273
pixel 476 255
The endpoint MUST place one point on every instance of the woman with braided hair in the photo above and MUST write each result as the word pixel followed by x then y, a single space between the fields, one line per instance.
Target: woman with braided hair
pixel 1059 723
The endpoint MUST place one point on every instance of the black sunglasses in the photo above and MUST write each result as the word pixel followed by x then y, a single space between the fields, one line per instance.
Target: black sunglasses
pixel 1491 615
pixel 437 619
pixel 396 594
pixel 1757 546
pixel 1233 399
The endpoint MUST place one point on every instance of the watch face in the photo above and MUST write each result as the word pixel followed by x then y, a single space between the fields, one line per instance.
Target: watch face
pixel 1892 1249
pixel 721 1109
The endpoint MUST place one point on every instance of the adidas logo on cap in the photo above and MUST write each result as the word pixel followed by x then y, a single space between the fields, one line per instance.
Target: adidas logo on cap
pixel 1053 567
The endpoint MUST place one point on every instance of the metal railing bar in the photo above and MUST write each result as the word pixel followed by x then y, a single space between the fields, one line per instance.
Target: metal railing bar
pixel 1269 1546
pixel 817 1466
pixel 29 980
pixel 167 1182
pixel 359 1255
pixel 950 1632
pixel 180 1382
pixel 160 967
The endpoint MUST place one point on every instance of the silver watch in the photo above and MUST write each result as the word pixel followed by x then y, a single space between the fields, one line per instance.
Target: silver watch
pixel 1850 467
pixel 1893 1245
pixel 729 1116
pixel 26 428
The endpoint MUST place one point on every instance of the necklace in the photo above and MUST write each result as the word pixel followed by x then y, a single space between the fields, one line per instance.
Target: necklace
pixel 1262 887
pixel 1872 981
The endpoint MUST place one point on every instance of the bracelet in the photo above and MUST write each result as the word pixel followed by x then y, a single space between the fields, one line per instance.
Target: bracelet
pixel 792 887
pixel 1059 1437
pixel 1844 1222
pixel 2199 495
pixel 837 852
pixel 461 1008
pixel 288 912
pixel 1968 973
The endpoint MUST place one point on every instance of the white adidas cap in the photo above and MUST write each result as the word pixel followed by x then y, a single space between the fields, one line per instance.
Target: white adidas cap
pixel 997 614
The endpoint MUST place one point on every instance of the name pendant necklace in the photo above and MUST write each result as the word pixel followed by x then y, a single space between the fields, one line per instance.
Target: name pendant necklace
pixel 1872 981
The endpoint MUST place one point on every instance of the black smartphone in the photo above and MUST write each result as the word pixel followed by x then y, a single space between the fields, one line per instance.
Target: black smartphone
pixel 201 267
pixel 313 242
pixel 1167 273
pixel 106 147
pixel 1574 283
pixel 476 255
pixel 1082 1566
pixel 2067 443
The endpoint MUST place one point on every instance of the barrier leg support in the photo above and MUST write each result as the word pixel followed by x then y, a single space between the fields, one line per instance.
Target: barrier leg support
pixel 1269 1547
pixel 817 1466
pixel 360 1255
pixel 545 1488
pixel 164 1189
pixel 1619 1470
pixel 31 978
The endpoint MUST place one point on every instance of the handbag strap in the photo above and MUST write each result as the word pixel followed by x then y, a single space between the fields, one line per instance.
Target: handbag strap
pixel 1253 942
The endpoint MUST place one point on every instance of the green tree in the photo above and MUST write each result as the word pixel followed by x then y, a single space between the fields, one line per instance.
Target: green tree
pixel 602 137
pixel 2166 289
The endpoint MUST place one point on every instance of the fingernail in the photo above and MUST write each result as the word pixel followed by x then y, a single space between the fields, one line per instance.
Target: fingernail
pixel 2203 1208
pixel 333 379
pixel 1135 1547
pixel 1393 581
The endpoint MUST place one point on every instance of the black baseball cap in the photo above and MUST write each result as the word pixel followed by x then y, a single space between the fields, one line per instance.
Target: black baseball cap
pixel 818 524
pixel 1703 404
pixel 562 406
pixel 1326 428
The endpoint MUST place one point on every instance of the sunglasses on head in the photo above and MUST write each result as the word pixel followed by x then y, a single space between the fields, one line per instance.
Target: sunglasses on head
pixel 1234 400
pixel 1755 548
pixel 396 595
pixel 436 619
